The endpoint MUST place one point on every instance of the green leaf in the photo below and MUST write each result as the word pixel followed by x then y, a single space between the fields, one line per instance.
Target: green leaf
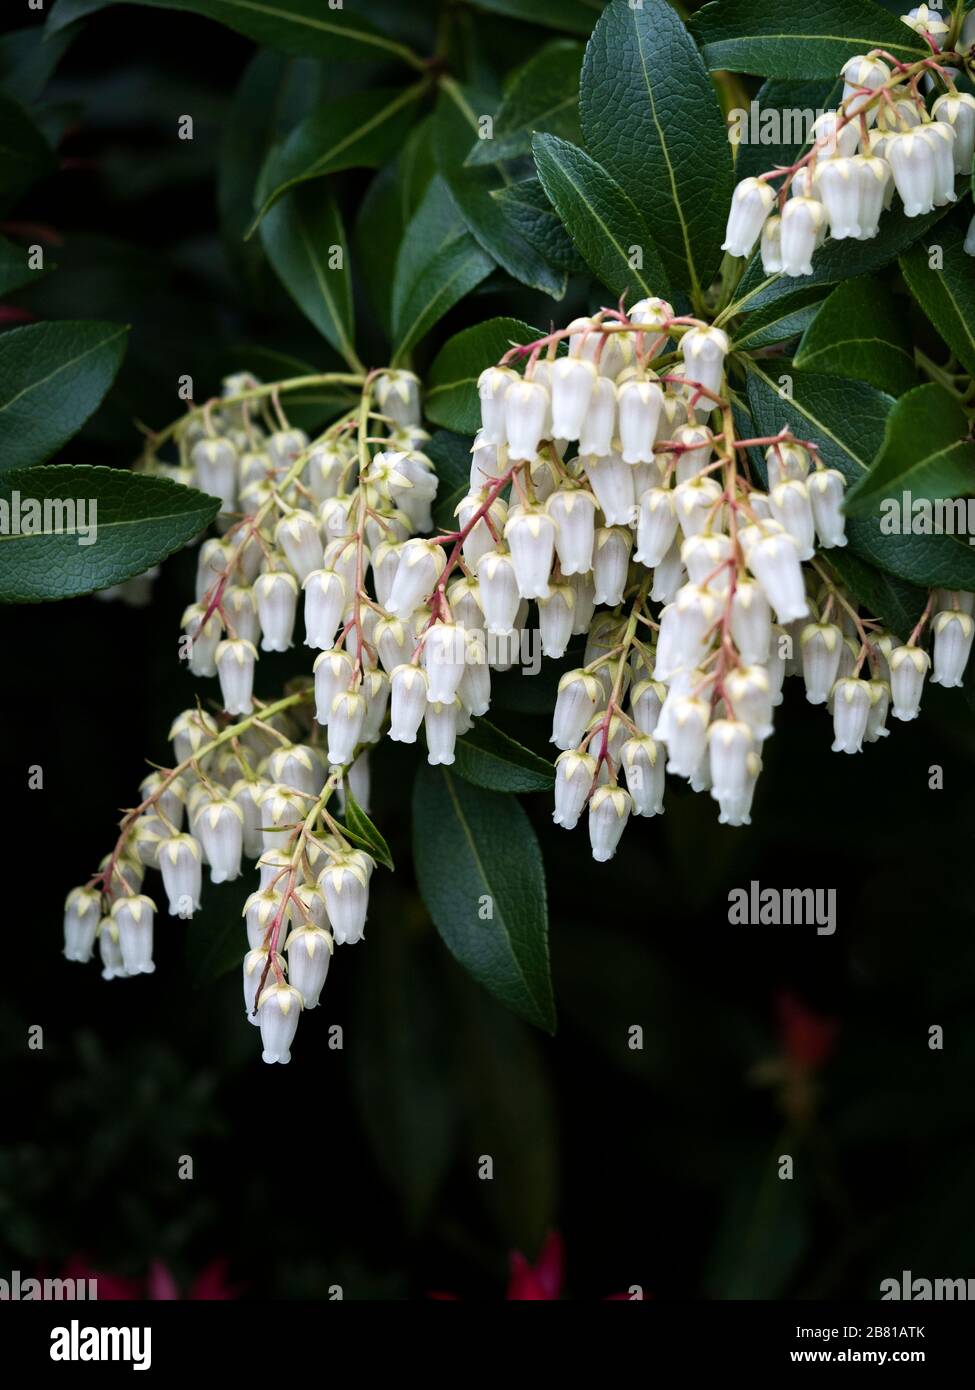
pixel 603 223
pixel 28 58
pixel 25 155
pixel 135 520
pixel 439 263
pixel 860 332
pixel 14 270
pixel 575 16
pixel 451 399
pixel 651 118
pixel 947 295
pixel 778 322
pixel 305 243
pixel 764 1232
pixel 490 758
pixel 924 452
pixel 779 122
pixel 894 601
pixel 451 455
pixel 835 260
pixel 847 419
pixel 526 205
pixel 362 129
pixel 455 125
pixel 307 28
pixel 479 869
pixel 359 827
pixel 52 377
pixel 813 40
pixel 542 95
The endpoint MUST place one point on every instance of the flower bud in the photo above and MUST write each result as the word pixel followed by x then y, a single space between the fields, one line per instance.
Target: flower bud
pixel 574 773
pixel 345 885
pixel 953 632
pixel 277 1013
pixel 908 667
pixel 751 203
pixel 398 397
pixel 180 863
pixel 133 917
pixel 851 708
pixel 609 810
pixel 526 408
pixel 82 910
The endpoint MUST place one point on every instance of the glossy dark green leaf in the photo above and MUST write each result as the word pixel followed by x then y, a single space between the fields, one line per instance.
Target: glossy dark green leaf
pixel 439 262
pixel 14 270
pixel 28 58
pixel 777 323
pixel 455 126
pixel 541 96
pixel 847 419
pixel 488 757
pixel 451 455
pixel 774 128
pixel 527 206
pixel 359 827
pixel 305 243
pixel 451 399
pixel 302 27
pixel 815 40
pixel 480 873
pixel 574 16
pixel 763 1234
pixel 836 260
pixel 52 377
pixel 894 601
pixel 925 452
pixel 25 155
pixel 651 118
pixel 860 332
pixel 608 231
pixel 946 294
pixel 359 130
pixel 136 522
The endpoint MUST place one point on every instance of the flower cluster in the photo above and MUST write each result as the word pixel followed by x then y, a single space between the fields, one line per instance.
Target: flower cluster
pixel 882 139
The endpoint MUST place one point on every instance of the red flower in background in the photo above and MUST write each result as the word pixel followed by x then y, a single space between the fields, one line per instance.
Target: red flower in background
pixel 158 1286
pixel 808 1038
pixel 541 1281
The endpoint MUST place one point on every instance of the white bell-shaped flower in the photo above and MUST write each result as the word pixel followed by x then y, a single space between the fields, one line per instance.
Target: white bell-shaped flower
pixel 749 693
pixel 908 668
pixel 277 1014
pixel 774 561
pixel 957 109
pixel 686 630
pixel 573 382
pixel 181 866
pixel 526 408
pixel 874 176
pixel 398 397
pixel 240 606
pixel 941 137
pixel 771 247
pixel 646 701
pixel 821 645
pixel 729 744
pixel 851 709
pixel 792 509
pixel 110 950
pixel 736 810
pixel 499 593
pixel 639 403
pixel 574 773
pixel 235 666
pixel 610 563
pixel 611 480
pixel 599 423
pixel 827 487
pixel 82 911
pixel 345 884
pixel 833 137
pixel 215 464
pixel 325 601
pixel 704 351
pixel 284 446
pixel 685 734
pixel 407 702
pixel 134 918
pixel 668 576
pixel 609 810
pixel 444 658
pixel 201 639
pixel 555 620
pixel 580 695
pixel 858 72
pixel 530 534
pixel 643 764
pixel 333 672
pixel 254 963
pixel 492 387
pixel 697 450
pixel 707 558
pixel 345 720
pixel 879 706
pixel 912 161
pixel 751 203
pixel 488 461
pixel 298 536
pixel 838 185
pixel 751 621
pixel 309 956
pixel 656 526
pixel 441 724
pixel 220 827
pixel 573 510
pixel 375 691
pixel 276 594
pixel 421 564
pixel 697 505
pixel 802 221
pixel 953 631
pixel 260 910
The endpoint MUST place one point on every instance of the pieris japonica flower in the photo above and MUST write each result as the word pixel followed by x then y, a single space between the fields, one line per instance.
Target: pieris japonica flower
pixel 398 397
pixel 492 387
pixel 803 219
pixel 220 827
pixel 751 621
pixel 772 246
pixel 750 205
pixel 838 184
pixel 821 645
pixel 609 810
pixel 953 632
pixel 704 351
pixel 791 507
pixel 235 659
pixel 611 480
pixel 908 667
pixel 573 381
pixel 345 720
pixel 643 764
pixel 408 687
pixel 874 178
pixel 110 950
pixel 598 426
pixel 832 137
pixel 530 534
pixel 656 526
pixel 924 19
pixel 420 565
pixel 957 109
pixel 774 561
pixel 133 918
pixel 578 699
pixel 574 774
pixel 278 1012
pixel 858 72
pixel 333 673
pixel 444 659
pixel 610 565
pixel 851 708
pixel 81 917
pixel 685 734
pixel 573 511
pixel 180 863
pixel 826 490
pixel 911 157
pixel 345 884
pixel 526 407
pixel 299 538
pixel 309 954
pixel 555 619
pixel 277 606
pixel 639 403
pixel 215 464
pixel 877 718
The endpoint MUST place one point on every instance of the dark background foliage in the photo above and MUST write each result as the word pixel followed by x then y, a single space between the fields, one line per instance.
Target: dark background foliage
pixel 359 1167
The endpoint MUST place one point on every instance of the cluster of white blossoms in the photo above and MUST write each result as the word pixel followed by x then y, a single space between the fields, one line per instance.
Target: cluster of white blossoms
pixel 881 140
pixel 630 492
pixel 609 498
